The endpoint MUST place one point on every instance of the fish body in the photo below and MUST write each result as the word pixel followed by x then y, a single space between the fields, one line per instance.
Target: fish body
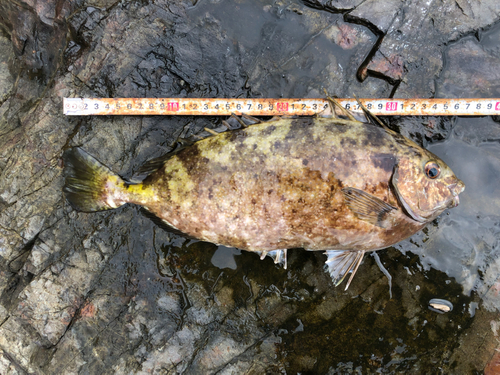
pixel 317 183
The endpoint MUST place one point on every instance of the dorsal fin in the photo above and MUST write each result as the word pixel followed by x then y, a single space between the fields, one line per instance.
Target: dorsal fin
pixel 336 110
pixel 372 119
pixel 153 165
pixel 334 103
pixel 235 122
pixel 365 116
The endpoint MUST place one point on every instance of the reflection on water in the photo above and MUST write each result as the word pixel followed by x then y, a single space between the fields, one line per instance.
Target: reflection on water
pixel 224 257
pixel 465 242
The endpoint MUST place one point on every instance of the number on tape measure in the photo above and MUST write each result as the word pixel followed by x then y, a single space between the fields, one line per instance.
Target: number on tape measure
pixel 272 107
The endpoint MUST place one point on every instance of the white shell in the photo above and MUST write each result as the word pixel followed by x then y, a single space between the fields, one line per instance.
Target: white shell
pixel 440 305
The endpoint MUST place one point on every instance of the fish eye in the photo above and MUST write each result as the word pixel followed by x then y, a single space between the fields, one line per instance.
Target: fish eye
pixel 432 170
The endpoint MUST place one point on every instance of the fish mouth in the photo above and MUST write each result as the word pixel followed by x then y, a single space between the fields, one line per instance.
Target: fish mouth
pixel 455 189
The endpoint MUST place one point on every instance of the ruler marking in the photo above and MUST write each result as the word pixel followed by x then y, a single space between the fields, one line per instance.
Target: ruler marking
pixel 275 107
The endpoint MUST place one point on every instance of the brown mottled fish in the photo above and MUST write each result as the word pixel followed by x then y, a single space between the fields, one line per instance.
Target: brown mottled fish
pixel 329 183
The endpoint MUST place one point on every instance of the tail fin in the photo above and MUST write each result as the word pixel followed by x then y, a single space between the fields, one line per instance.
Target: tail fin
pixel 89 185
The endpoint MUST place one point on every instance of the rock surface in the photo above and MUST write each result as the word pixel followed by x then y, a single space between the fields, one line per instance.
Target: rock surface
pixel 114 292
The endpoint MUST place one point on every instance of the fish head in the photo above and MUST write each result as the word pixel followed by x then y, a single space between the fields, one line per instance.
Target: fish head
pixel 424 185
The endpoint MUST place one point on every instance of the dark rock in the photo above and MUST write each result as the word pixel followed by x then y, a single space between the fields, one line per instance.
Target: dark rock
pixel 334 5
pixel 422 129
pixel 463 76
pixel 419 27
pixel 321 45
pixel 377 14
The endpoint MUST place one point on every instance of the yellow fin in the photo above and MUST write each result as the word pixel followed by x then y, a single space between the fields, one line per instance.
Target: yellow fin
pixel 89 185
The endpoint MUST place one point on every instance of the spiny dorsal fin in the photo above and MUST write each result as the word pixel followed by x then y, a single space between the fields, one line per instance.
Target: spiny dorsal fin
pixel 235 122
pixel 335 110
pixel 372 119
pixel 341 262
pixel 334 103
pixel 250 120
pixel 369 208
pixel 153 165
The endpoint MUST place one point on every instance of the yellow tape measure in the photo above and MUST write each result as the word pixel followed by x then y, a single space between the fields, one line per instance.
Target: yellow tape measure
pixel 275 107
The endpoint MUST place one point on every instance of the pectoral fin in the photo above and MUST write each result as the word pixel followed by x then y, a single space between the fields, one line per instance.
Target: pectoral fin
pixel 341 262
pixel 369 208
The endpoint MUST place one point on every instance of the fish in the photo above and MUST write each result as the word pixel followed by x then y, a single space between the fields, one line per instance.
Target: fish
pixel 339 182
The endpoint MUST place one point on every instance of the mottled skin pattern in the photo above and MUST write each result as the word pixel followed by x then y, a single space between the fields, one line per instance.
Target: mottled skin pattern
pixel 277 185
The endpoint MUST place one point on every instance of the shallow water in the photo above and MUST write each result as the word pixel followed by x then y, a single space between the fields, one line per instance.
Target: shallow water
pixel 465 244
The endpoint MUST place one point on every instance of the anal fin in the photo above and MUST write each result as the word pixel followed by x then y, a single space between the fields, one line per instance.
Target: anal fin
pixel 341 262
pixel 279 256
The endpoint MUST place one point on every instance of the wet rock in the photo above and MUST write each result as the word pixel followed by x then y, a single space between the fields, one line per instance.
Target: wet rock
pixel 7 366
pixel 334 5
pixel 410 28
pixel 33 25
pixel 21 347
pixel 463 76
pixel 419 27
pixel 379 15
pixel 422 129
pixel 389 67
pixel 481 348
pixel 6 77
pixel 321 44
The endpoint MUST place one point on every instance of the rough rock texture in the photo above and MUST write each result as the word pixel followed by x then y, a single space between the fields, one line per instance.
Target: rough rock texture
pixel 114 292
pixel 407 29
pixel 472 70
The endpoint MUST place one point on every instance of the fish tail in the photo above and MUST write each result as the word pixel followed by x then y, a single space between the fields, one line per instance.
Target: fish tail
pixel 89 185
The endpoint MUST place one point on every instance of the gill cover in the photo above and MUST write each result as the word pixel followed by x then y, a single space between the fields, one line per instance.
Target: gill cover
pixel 425 186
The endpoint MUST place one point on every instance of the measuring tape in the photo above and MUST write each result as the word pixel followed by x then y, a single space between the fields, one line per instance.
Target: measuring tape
pixel 276 107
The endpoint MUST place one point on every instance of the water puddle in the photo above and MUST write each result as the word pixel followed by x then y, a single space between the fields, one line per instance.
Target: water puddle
pixel 465 243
